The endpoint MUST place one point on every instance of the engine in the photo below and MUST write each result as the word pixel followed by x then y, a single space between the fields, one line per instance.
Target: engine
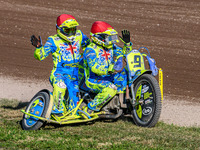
pixel 113 105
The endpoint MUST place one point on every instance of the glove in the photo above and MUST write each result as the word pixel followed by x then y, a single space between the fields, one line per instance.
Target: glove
pixel 119 65
pixel 35 42
pixel 125 36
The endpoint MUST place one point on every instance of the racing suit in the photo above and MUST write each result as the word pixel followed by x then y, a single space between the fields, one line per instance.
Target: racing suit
pixel 98 61
pixel 64 76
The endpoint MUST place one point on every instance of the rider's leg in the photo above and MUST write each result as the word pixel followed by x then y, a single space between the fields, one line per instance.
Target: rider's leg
pixel 102 98
pixel 59 89
pixel 106 90
pixel 73 91
pixel 120 80
pixel 58 95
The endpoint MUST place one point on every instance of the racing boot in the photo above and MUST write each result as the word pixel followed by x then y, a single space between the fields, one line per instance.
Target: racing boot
pixel 56 110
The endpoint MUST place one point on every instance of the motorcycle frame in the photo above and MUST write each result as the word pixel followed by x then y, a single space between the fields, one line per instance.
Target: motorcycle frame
pixel 68 117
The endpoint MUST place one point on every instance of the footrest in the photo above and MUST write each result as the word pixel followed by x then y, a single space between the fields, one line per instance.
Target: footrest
pixel 84 114
pixel 79 120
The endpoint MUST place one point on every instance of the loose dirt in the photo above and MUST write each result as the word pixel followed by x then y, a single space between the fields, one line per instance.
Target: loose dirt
pixel 177 110
pixel 169 29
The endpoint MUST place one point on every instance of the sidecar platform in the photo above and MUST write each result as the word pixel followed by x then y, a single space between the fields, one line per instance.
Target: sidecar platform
pixel 70 119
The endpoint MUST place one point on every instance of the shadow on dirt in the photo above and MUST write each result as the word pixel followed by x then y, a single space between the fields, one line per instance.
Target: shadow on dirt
pixel 19 106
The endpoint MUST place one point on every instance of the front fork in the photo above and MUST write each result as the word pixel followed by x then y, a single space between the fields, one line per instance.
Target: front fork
pixel 132 93
pixel 131 102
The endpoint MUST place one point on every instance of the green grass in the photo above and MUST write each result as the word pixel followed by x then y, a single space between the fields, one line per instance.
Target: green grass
pixel 121 134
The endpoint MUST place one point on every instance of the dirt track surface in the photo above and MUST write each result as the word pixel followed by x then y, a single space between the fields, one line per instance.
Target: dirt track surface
pixel 169 29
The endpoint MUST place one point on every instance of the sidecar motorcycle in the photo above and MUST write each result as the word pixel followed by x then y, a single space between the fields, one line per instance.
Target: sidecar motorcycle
pixel 144 105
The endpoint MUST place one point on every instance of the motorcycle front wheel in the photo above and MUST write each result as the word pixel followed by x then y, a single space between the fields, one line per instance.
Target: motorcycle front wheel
pixel 37 106
pixel 147 110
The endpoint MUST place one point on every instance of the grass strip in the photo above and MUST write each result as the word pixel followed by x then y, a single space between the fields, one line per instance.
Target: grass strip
pixel 101 134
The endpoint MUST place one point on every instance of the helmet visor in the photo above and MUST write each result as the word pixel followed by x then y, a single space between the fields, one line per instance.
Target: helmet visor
pixel 69 31
pixel 111 39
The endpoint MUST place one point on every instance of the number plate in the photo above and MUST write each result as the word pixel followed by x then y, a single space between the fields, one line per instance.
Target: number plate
pixel 135 62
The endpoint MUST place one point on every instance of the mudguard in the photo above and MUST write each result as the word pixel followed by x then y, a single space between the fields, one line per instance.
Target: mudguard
pixel 152 65
pixel 140 74
pixel 48 114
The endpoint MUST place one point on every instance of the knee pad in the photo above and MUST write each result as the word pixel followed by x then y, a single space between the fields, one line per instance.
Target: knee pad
pixel 58 94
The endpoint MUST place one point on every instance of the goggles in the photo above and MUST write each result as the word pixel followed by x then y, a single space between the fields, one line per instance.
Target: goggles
pixel 111 39
pixel 67 31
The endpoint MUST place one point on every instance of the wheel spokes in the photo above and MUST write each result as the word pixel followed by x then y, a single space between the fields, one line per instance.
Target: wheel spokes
pixel 144 101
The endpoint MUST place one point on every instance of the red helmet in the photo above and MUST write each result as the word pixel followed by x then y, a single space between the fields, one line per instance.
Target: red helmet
pixel 103 34
pixel 66 27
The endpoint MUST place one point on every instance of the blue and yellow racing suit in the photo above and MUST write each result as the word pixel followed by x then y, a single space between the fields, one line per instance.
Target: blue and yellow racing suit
pixel 64 76
pixel 98 62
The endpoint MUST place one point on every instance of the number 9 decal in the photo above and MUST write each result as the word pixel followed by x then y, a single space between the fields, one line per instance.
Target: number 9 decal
pixel 137 61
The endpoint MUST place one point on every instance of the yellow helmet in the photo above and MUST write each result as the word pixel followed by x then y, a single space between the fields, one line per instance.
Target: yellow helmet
pixel 66 27
pixel 103 34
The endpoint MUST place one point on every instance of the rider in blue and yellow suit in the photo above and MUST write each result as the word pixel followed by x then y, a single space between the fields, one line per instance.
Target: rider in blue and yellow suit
pixel 102 59
pixel 64 47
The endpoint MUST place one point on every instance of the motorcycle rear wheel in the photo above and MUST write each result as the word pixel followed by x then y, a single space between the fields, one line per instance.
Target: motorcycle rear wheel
pixel 37 106
pixel 148 98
